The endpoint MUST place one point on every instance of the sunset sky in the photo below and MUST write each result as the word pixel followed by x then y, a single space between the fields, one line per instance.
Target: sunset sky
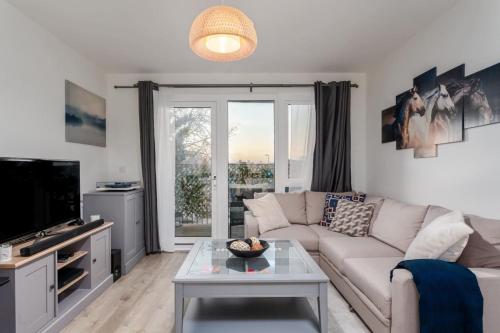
pixel 253 134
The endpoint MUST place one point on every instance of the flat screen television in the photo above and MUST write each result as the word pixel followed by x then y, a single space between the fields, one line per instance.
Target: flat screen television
pixel 37 195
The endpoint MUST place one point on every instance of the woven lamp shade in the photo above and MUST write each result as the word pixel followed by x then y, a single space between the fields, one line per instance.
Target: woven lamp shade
pixel 222 33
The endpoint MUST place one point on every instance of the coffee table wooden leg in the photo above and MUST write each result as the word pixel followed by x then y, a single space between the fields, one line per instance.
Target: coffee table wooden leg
pixel 323 307
pixel 179 307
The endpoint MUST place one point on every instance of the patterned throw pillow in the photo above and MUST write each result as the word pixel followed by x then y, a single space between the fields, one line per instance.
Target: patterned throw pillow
pixel 352 218
pixel 331 200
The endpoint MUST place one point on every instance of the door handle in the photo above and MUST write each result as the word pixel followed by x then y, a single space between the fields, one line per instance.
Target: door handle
pixel 138 221
pixel 94 260
pixel 51 288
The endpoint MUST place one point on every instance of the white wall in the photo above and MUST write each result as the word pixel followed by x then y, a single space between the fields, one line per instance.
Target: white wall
pixel 465 175
pixel 33 67
pixel 123 119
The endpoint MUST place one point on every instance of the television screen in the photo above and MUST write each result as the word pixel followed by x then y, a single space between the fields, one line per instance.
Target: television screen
pixel 37 195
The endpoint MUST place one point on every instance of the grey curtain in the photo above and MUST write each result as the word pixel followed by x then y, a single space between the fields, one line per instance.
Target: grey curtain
pixel 332 153
pixel 148 159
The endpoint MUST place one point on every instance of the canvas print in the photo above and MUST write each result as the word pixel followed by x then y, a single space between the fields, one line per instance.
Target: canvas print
pixel 85 116
pixel 437 109
pixel 389 125
pixel 402 119
pixel 481 92
pixel 447 117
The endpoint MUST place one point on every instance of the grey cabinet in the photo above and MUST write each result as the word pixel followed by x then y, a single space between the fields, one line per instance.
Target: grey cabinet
pixel 101 260
pixel 30 300
pixel 126 210
pixel 35 295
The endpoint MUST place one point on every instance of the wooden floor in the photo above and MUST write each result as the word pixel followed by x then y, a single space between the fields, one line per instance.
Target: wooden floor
pixel 143 301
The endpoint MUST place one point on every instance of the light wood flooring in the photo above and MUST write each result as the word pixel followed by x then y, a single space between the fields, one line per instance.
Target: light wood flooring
pixel 143 301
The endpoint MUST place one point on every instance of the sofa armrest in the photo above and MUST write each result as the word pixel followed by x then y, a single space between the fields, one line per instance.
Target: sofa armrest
pixel 489 282
pixel 404 307
pixel 405 314
pixel 251 225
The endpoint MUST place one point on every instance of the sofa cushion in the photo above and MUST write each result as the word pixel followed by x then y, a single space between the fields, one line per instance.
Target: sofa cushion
pixel 323 232
pixel 315 205
pixel 308 238
pixel 331 202
pixel 268 212
pixel 337 249
pixel 398 223
pixel 352 218
pixel 293 205
pixel 371 277
pixel 483 248
pixel 444 238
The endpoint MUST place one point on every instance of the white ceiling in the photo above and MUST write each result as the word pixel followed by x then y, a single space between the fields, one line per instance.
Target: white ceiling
pixel 134 36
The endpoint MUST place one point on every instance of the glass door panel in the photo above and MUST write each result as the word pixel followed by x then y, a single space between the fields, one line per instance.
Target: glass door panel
pixel 193 171
pixel 251 165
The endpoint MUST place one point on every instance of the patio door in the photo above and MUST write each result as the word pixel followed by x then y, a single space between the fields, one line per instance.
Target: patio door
pixel 195 170
pixel 256 140
pixel 251 150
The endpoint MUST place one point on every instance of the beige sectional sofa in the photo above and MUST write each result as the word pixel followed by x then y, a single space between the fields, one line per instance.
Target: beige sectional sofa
pixel 359 267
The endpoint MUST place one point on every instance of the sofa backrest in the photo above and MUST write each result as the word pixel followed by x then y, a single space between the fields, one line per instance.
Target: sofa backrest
pixel 315 206
pixel 293 205
pixel 398 223
pixel 378 201
pixel 433 213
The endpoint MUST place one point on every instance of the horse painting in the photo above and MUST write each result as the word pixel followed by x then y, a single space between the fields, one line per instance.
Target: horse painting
pixel 438 109
pixel 445 126
pixel 478 110
pixel 412 106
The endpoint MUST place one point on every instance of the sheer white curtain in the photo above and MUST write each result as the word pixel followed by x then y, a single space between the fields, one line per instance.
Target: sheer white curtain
pixel 165 169
pixel 302 136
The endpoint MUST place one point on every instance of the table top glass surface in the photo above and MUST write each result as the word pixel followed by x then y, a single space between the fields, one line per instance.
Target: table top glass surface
pixel 214 259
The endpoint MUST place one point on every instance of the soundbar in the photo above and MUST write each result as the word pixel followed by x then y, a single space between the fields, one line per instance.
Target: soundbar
pixel 54 240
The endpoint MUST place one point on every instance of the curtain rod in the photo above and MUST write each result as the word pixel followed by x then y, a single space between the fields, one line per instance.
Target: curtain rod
pixel 232 85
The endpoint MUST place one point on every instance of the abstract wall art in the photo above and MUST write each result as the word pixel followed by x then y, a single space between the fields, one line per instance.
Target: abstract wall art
pixel 85 115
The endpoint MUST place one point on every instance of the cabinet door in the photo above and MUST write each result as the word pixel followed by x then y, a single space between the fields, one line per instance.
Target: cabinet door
pixel 139 222
pixel 101 257
pixel 130 228
pixel 35 295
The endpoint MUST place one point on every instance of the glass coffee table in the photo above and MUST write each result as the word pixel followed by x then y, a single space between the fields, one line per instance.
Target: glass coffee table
pixel 285 270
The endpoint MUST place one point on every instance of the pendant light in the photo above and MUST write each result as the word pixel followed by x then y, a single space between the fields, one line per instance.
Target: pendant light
pixel 222 33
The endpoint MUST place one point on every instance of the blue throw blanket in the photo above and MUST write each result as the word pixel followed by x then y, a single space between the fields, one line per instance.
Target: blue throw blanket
pixel 450 298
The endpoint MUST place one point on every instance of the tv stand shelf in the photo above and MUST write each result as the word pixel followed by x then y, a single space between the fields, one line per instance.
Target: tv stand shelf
pixel 31 301
pixel 77 255
pixel 19 261
pixel 72 283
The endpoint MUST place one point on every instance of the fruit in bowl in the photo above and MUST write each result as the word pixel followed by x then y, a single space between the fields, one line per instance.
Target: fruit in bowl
pixel 247 248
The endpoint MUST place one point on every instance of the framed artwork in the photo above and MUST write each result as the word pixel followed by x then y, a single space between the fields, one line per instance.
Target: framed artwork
pixel 481 92
pixel 85 115
pixel 389 125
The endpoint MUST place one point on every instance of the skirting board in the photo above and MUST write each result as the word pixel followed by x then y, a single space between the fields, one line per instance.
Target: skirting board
pixel 129 265
pixel 65 318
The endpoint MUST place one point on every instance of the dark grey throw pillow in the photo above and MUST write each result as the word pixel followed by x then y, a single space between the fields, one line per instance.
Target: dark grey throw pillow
pixel 482 252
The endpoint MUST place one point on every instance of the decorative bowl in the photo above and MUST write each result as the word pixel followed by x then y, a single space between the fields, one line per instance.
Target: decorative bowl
pixel 248 254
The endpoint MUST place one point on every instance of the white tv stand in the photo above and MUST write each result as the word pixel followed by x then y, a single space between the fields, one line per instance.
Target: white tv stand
pixel 30 300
